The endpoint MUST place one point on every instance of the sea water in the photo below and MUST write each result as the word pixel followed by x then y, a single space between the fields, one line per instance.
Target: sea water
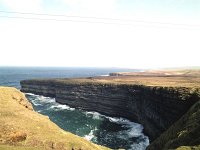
pixel 112 132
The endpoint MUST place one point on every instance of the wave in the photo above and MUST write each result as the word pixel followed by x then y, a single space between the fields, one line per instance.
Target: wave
pixel 46 99
pixel 35 103
pixel 31 94
pixel 133 130
pixel 95 115
pixel 39 100
pixel 91 135
pixel 61 107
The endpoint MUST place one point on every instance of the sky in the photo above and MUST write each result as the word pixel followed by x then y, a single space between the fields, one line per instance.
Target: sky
pixel 100 33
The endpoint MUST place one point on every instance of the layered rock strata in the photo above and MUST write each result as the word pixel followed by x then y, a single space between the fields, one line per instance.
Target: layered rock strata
pixel 155 107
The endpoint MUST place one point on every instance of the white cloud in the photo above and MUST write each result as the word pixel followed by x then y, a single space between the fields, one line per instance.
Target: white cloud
pixel 54 43
pixel 49 43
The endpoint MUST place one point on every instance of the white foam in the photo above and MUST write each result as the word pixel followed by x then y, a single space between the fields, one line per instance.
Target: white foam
pixel 39 100
pixel 35 103
pixel 90 136
pixel 116 120
pixel 141 145
pixel 31 94
pixel 133 130
pixel 61 107
pixel 42 98
pixel 46 99
pixel 95 115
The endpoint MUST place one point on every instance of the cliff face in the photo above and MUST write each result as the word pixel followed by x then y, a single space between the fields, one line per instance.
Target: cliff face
pixel 21 128
pixel 156 108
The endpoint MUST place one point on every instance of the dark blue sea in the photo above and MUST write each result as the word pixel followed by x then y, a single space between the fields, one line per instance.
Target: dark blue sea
pixel 112 132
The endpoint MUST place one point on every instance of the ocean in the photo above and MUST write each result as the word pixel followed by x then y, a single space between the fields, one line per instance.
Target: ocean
pixel 112 132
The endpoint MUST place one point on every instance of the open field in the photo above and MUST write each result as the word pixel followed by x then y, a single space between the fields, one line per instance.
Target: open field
pixel 165 78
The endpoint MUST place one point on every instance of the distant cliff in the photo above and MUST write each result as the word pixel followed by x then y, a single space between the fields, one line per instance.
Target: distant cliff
pixel 155 107
pixel 21 128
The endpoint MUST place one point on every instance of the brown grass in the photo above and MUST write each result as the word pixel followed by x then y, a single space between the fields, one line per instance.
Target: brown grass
pixel 167 78
pixel 23 128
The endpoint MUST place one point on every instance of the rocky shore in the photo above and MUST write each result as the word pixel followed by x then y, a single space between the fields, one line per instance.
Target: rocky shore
pixel 155 102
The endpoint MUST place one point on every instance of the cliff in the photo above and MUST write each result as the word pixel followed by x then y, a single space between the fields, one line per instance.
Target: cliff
pixel 156 99
pixel 22 128
pixel 186 131
pixel 155 107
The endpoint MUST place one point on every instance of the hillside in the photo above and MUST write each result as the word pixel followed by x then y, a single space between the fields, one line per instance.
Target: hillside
pixel 21 128
pixel 186 131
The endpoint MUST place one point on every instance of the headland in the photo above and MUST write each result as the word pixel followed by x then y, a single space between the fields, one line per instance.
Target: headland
pixel 158 99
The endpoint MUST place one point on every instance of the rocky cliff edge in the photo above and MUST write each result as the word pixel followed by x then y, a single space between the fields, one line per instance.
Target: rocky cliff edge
pixel 23 128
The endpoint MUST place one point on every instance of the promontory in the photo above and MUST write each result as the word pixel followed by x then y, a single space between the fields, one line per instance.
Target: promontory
pixel 165 102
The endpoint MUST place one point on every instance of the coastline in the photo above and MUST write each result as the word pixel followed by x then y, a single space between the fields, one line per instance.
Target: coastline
pixel 156 102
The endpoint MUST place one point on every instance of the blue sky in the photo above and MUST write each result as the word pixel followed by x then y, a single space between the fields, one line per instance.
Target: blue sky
pixel 36 42
pixel 164 7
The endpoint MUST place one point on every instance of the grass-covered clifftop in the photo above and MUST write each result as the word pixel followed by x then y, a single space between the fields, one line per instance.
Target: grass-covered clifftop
pixel 21 128
pixel 160 78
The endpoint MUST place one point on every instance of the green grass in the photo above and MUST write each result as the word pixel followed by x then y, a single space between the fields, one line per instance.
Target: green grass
pixel 184 132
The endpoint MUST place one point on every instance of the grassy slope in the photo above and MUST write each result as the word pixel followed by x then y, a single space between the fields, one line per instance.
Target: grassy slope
pixel 184 134
pixel 189 148
pixel 23 128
